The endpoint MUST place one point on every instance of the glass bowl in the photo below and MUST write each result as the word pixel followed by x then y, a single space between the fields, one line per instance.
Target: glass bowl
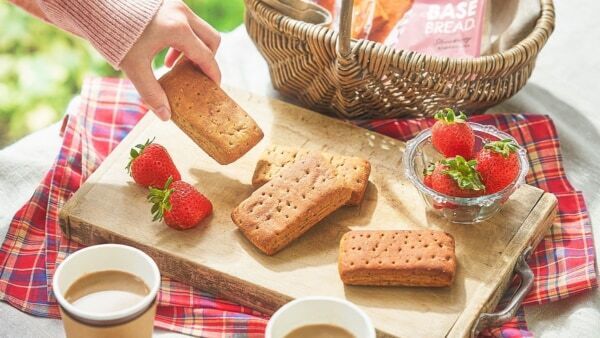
pixel 420 152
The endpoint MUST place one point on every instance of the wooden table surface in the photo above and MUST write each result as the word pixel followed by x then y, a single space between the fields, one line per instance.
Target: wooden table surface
pixel 564 85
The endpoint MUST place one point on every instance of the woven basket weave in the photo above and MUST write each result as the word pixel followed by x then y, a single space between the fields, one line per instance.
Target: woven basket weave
pixel 357 79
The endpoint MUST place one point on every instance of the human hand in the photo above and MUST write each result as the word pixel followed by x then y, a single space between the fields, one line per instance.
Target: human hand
pixel 175 26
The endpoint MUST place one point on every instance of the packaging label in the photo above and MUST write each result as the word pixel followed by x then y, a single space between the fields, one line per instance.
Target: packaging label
pixel 451 28
pixel 443 28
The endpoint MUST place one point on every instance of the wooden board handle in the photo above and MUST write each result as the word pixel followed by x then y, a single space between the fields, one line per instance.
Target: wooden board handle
pixel 496 319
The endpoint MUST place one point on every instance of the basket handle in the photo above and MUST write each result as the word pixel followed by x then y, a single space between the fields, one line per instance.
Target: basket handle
pixel 344 43
pixel 496 319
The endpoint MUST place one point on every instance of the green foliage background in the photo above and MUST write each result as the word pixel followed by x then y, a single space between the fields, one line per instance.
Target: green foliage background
pixel 42 67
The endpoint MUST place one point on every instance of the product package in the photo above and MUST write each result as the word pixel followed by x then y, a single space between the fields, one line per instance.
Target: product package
pixel 451 28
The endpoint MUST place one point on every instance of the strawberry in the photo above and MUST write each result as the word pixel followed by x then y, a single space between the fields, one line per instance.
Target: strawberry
pixel 457 177
pixel 428 181
pixel 179 204
pixel 451 135
pixel 498 164
pixel 151 165
pixel 427 173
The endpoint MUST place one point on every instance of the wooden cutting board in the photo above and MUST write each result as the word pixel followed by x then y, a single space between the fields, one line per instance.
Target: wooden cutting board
pixel 217 258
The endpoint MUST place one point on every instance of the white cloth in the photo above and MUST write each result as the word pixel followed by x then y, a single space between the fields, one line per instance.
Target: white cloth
pixel 22 167
pixel 564 85
pixel 509 22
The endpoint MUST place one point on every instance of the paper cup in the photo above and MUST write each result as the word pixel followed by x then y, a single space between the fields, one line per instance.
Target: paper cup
pixel 319 310
pixel 135 321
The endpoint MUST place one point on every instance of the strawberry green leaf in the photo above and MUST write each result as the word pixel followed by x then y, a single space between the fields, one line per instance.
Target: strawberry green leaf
pixel 429 169
pixel 160 200
pixel 135 153
pixel 503 147
pixel 448 115
pixel 463 172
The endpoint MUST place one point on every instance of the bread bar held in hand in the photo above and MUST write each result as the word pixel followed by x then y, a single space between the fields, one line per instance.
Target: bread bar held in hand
pixel 208 115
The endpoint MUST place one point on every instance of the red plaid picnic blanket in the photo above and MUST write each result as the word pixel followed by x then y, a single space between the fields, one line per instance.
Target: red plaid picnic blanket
pixel 108 109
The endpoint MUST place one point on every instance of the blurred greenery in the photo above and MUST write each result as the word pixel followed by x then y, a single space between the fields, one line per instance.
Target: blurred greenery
pixel 42 67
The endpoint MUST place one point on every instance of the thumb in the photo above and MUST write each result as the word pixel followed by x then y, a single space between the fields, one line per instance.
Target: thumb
pixel 150 90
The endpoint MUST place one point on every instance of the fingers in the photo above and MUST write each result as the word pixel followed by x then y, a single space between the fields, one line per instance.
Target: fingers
pixel 195 50
pixel 150 90
pixel 172 56
pixel 205 32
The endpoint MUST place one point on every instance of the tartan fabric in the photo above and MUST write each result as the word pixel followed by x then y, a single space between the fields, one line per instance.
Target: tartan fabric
pixel 563 263
pixel 108 110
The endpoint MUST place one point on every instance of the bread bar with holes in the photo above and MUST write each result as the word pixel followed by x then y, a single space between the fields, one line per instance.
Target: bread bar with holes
pixel 297 198
pixel 353 170
pixel 208 115
pixel 402 258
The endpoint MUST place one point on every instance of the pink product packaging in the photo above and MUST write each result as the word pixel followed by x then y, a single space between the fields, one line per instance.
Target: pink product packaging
pixel 452 28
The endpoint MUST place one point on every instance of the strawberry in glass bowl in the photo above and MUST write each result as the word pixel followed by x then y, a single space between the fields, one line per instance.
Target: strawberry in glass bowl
pixel 464 171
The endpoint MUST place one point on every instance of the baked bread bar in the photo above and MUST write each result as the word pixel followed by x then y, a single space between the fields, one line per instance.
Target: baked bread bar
pixel 299 196
pixel 354 171
pixel 208 115
pixel 407 258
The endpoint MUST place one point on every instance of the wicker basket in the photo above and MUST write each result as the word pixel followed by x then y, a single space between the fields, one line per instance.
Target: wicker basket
pixel 363 79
